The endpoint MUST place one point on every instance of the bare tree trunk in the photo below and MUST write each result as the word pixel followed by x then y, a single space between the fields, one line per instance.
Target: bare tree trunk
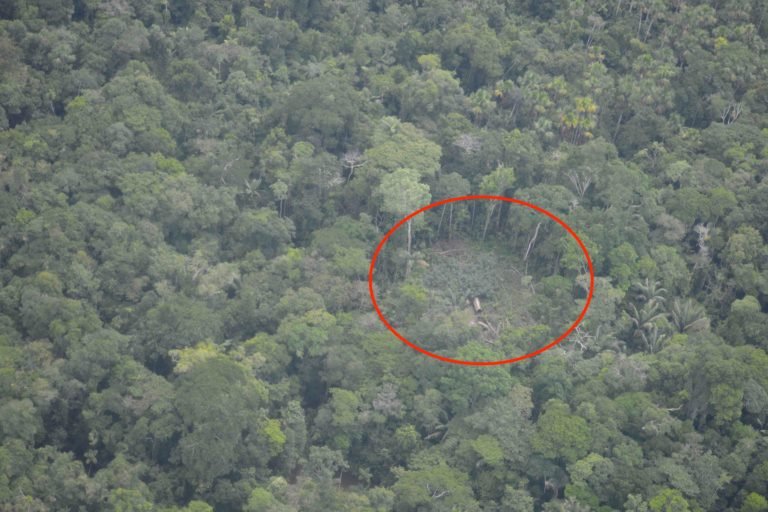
pixel 409 262
pixel 532 241
pixel 648 29
pixel 618 125
pixel 556 267
pixel 488 220
pixel 437 234
pixel 472 221
pixel 514 111
pixel 409 237
pixel 450 222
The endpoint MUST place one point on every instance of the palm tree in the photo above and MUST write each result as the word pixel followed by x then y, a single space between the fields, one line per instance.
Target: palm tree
pixel 652 338
pixel 650 291
pixel 645 316
pixel 644 320
pixel 687 316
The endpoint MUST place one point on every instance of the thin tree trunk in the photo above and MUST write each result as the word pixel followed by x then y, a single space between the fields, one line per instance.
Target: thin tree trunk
pixel 618 125
pixel 450 222
pixel 409 262
pixel 532 241
pixel 513 113
pixel 488 220
pixel 437 235
pixel 409 237
pixel 648 29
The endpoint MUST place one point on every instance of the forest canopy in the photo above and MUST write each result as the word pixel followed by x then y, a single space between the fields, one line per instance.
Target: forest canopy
pixel 191 191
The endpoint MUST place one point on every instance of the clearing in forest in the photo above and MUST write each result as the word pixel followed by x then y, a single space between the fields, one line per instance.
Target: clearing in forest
pixel 499 290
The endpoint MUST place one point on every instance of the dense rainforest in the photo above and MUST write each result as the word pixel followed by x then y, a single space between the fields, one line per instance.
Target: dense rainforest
pixel 191 192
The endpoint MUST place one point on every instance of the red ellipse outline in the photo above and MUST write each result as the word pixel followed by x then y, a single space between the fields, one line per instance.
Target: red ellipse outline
pixel 529 355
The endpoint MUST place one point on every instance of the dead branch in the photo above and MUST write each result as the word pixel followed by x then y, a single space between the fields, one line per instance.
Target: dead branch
pixel 532 241
pixel 437 493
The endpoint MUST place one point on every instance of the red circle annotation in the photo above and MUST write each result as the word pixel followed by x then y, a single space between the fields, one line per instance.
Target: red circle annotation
pixel 529 355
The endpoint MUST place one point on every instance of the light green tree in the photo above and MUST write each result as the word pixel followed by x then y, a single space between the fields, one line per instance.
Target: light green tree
pixel 397 145
pixel 435 488
pixel 669 500
pixel 402 193
pixel 754 503
pixel 560 434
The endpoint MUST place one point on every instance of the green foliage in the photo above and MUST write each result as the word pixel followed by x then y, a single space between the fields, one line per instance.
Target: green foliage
pixel 497 182
pixel 326 110
pixel 488 449
pixel 220 406
pixel 125 500
pixel 402 193
pixel 260 500
pixel 623 264
pixel 746 323
pixel 306 335
pixel 398 145
pixel 669 500
pixel 467 387
pixel 410 303
pixel 754 503
pixel 560 434
pixel 437 488
pixel 191 191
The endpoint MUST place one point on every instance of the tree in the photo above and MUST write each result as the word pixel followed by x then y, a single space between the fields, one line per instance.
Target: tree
pixel 578 123
pixel 326 110
pixel 263 229
pixel 635 503
pixel 402 193
pixel 590 477
pixel 323 466
pixel 398 145
pixel 741 252
pixel 434 488
pixel 20 421
pixel 467 387
pixel 745 323
pixel 338 421
pixel 307 334
pixel 688 316
pixel 517 500
pixel 561 435
pixel 430 93
pixel 224 425
pixel 127 500
pixel 176 322
pixel 754 503
pixel 669 500
pixel 190 191
pixel 261 500
pixel 496 183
